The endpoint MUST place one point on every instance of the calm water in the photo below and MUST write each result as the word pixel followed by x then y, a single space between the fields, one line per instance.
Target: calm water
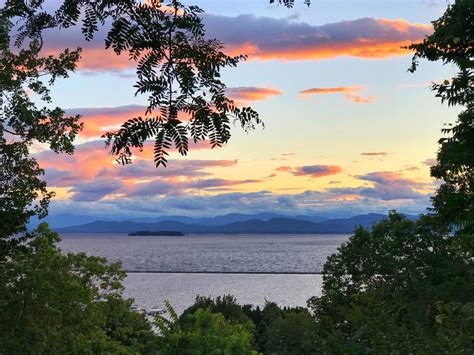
pixel 214 253
pixel 181 289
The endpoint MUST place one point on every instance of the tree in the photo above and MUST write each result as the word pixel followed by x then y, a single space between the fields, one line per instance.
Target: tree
pixel 53 303
pixel 451 42
pixel 22 192
pixel 400 287
pixel 226 305
pixel 295 333
pixel 203 332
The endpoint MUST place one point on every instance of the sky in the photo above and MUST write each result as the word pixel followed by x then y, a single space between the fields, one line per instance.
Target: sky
pixel 347 129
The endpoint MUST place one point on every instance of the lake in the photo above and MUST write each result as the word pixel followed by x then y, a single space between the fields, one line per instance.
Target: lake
pixel 179 268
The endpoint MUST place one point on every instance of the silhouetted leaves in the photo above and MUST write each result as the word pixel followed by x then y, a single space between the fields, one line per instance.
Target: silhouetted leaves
pixel 452 43
pixel 289 3
pixel 178 69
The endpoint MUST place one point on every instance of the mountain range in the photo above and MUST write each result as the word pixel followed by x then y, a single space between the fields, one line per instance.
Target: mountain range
pixel 235 223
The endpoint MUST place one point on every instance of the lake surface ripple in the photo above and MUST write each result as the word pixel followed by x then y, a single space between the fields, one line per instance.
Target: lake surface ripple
pixel 210 253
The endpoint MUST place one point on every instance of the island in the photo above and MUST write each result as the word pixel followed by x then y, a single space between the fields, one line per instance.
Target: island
pixel 156 233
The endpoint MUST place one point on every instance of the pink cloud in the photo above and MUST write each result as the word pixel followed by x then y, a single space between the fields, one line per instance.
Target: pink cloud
pixel 92 160
pixel 99 120
pixel 313 171
pixel 430 162
pixel 387 186
pixel 348 92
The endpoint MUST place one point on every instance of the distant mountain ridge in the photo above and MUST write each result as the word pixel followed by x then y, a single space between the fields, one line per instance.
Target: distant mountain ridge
pixel 275 225
pixel 63 220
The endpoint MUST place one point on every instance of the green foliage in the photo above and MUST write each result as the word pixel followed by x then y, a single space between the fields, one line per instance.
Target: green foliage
pixel 203 332
pixel 226 305
pixel 283 330
pixel 22 192
pixel 55 304
pixel 401 287
pixel 295 333
pixel 276 330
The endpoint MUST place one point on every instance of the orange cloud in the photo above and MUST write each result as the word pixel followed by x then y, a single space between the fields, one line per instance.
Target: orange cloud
pixel 96 59
pixel 92 159
pixel 251 93
pixel 359 99
pixel 99 120
pixel 365 49
pixel 289 40
pixel 88 159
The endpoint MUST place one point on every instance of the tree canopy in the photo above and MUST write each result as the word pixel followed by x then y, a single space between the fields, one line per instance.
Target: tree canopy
pixel 52 303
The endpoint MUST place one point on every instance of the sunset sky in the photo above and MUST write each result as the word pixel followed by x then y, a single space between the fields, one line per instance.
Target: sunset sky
pixel 347 129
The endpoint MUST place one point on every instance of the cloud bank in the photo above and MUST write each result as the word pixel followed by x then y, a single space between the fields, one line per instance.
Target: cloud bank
pixel 265 38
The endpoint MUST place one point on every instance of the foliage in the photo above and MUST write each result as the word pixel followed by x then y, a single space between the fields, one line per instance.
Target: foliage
pixel 276 330
pixel 226 305
pixel 401 286
pixel 182 75
pixel 53 303
pixel 283 330
pixel 451 43
pixel 295 333
pixel 203 332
